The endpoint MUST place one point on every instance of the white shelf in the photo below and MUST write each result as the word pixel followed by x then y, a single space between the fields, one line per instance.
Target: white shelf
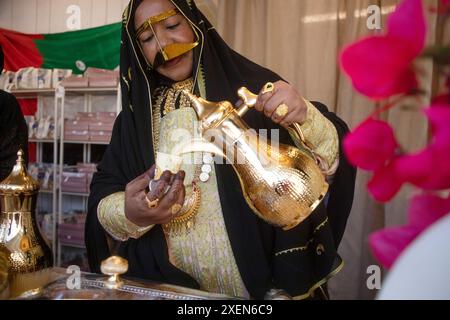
pixel 56 193
pixel 68 141
pixel 41 140
pixel 86 142
pixel 46 191
pixel 72 245
pixel 92 90
pixel 75 194
pixel 32 93
pixel 74 199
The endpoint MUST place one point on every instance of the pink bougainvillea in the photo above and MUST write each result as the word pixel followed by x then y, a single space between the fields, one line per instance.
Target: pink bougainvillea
pixel 380 67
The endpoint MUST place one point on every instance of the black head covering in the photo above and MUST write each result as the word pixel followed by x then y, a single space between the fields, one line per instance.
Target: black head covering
pixel 13 129
pixel 218 73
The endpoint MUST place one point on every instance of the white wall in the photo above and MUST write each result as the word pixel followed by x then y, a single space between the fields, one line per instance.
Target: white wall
pixel 49 16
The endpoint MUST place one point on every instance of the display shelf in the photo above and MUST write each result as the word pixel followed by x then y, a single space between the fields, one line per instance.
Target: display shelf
pixel 41 140
pixel 92 90
pixel 75 194
pixel 70 245
pixel 88 147
pixel 35 93
pixel 32 93
pixel 54 197
pixel 87 142
pixel 39 94
pixel 46 191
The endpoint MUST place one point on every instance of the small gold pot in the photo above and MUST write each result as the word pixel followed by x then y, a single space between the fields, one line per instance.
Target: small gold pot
pixel 20 237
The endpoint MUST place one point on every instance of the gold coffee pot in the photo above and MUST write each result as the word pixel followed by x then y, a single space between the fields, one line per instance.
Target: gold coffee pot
pixel 20 237
pixel 281 183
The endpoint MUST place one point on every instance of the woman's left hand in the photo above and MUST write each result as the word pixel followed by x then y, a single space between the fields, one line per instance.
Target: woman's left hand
pixel 283 104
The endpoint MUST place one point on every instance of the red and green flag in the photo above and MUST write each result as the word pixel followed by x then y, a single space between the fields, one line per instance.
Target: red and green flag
pixel 97 47
pixel 77 50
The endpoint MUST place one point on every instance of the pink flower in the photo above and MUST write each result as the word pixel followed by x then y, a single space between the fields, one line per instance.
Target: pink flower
pixel 380 66
pixel 370 145
pixel 425 210
pixel 428 169
pixel 385 182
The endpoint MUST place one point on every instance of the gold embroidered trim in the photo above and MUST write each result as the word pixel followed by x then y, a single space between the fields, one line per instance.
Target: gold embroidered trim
pixel 305 247
pixel 167 100
pixel 111 215
pixel 170 95
pixel 320 283
pixel 320 138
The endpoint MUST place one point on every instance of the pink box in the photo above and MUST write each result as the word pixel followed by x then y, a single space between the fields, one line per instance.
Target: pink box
pixel 96 125
pixel 76 135
pixel 86 116
pixel 100 136
pixel 75 188
pixel 87 167
pixel 71 233
pixel 74 182
pixel 102 77
pixel 103 81
pixel 97 72
pixel 77 125
pixel 75 82
pixel 104 116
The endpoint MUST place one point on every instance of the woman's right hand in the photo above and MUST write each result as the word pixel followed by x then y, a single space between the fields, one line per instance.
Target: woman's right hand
pixel 137 208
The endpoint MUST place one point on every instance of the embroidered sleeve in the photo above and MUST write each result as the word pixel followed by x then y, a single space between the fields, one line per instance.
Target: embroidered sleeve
pixel 111 214
pixel 319 137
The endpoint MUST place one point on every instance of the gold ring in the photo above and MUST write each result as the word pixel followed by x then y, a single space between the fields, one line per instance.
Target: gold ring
pixel 152 204
pixel 268 87
pixel 282 110
pixel 176 208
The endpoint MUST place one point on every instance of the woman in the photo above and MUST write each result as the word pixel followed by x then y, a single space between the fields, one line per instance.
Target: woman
pixel 167 47
pixel 13 130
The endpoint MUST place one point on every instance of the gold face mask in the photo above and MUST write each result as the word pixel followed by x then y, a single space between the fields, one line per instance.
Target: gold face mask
pixel 171 51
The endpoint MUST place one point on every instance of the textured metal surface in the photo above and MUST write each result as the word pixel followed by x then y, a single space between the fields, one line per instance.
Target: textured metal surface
pixel 281 183
pixel 96 287
pixel 20 237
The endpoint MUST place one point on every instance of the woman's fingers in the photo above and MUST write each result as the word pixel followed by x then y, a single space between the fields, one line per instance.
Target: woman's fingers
pixel 272 104
pixel 264 95
pixel 151 172
pixel 159 187
pixel 175 191
pixel 137 185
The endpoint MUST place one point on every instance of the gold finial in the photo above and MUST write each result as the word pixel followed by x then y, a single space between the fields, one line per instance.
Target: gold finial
pixel 20 159
pixel 249 100
pixel 18 180
pixel 114 267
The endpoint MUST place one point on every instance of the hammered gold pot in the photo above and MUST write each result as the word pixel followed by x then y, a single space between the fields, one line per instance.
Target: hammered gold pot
pixel 282 184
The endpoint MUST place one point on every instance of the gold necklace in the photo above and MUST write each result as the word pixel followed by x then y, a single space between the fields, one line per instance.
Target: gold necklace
pixel 185 219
